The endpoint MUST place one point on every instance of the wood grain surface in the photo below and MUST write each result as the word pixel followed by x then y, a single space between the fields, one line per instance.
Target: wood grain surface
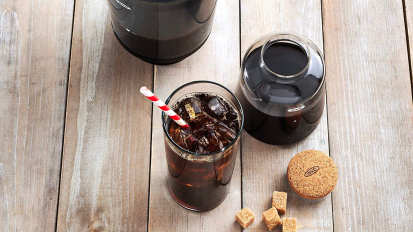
pixel 370 114
pixel 217 60
pixel 265 166
pixel 106 158
pixel 34 58
pixel 113 173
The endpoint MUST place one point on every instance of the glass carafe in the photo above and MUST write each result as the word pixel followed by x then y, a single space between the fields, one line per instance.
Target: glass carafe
pixel 162 31
pixel 281 88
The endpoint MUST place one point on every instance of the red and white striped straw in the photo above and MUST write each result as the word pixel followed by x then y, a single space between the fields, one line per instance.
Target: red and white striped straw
pixel 145 91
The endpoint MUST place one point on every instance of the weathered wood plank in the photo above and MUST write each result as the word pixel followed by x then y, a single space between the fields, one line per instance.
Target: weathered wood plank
pixel 217 60
pixel 34 57
pixel 370 114
pixel 265 166
pixel 105 169
pixel 409 23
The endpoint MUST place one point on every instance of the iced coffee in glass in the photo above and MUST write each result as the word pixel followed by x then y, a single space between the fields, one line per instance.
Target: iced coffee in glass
pixel 201 161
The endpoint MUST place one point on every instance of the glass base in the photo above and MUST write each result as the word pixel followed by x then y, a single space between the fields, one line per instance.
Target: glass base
pixel 188 207
pixel 268 139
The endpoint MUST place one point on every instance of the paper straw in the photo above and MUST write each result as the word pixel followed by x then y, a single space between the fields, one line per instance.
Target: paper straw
pixel 145 91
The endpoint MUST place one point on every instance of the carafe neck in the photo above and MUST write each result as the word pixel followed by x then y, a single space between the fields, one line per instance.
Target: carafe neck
pixel 289 39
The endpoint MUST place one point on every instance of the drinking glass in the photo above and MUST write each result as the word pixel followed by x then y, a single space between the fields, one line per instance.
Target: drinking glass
pixel 200 181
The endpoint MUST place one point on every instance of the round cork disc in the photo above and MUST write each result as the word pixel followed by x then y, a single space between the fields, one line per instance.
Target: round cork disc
pixel 312 174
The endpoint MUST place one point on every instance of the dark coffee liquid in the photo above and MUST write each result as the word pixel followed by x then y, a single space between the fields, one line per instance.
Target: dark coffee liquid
pixel 215 124
pixel 285 59
pixel 162 31
pixel 270 119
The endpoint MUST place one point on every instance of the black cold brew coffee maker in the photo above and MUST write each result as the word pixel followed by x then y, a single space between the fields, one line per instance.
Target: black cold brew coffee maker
pixel 162 31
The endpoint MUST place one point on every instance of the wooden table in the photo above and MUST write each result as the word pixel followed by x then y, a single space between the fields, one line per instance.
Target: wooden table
pixel 82 150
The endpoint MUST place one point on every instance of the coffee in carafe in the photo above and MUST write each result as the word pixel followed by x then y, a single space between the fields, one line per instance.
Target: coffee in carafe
pixel 162 31
pixel 281 88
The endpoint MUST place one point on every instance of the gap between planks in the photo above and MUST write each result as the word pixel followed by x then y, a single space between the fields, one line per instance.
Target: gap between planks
pixel 326 100
pixel 409 48
pixel 65 114
pixel 150 155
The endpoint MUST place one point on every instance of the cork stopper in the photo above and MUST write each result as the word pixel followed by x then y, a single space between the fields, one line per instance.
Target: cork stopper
pixel 312 174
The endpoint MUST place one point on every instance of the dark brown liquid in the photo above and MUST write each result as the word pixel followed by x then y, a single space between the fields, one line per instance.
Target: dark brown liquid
pixel 203 185
pixel 285 59
pixel 214 123
pixel 162 31
pixel 279 126
pixel 162 51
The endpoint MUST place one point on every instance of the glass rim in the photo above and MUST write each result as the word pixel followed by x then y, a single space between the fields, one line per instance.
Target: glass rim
pixel 195 153
pixel 297 42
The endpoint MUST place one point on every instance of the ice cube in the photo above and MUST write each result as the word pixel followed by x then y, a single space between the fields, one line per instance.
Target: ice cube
pixel 196 144
pixel 204 141
pixel 233 125
pixel 179 110
pixel 224 132
pixel 208 128
pixel 216 108
pixel 215 144
pixel 201 121
pixel 192 142
pixel 232 115
pixel 193 108
pixel 190 111
pixel 196 105
pixel 175 133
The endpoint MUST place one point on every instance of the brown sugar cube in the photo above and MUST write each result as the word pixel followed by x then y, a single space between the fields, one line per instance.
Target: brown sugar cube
pixel 289 225
pixel 245 217
pixel 271 218
pixel 279 201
